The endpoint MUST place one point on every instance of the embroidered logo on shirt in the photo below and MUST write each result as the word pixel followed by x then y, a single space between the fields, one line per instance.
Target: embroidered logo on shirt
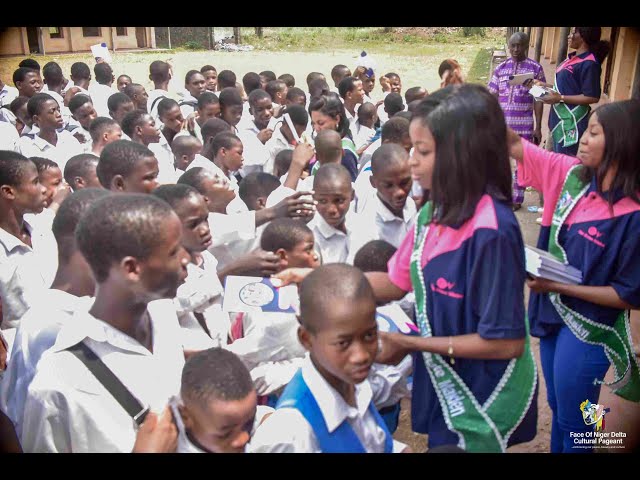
pixel 444 287
pixel 592 235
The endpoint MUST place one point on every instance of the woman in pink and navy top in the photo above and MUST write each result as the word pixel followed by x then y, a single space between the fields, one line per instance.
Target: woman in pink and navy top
pixel 475 380
pixel 593 225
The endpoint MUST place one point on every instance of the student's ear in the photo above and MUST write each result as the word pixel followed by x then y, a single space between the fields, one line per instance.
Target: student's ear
pixel 117 183
pixel 138 130
pixel 373 182
pixel 7 192
pixel 282 253
pixel 186 417
pixel 261 202
pixel 353 194
pixel 130 267
pixel 77 183
pixel 304 336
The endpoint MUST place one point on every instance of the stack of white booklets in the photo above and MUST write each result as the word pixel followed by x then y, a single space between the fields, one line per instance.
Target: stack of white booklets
pixel 540 263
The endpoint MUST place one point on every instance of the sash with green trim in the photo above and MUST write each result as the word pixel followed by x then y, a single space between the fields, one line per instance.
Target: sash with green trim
pixel 480 428
pixel 567 128
pixel 347 144
pixel 616 340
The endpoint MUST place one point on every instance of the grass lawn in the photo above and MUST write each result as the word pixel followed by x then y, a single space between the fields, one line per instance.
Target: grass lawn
pixel 412 54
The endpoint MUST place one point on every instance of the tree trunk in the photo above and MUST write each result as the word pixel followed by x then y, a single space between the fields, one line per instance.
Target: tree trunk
pixel 236 35
pixel 259 32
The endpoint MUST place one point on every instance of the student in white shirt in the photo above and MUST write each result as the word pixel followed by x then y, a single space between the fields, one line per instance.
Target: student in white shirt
pixel 141 128
pixel 7 94
pixel 9 137
pixel 48 142
pixel 334 227
pixel 103 131
pixel 283 138
pixel 362 128
pixel 396 131
pixel 119 105
pixel 160 75
pixel 83 112
pixel 328 407
pixel 278 90
pixel 195 85
pixel 217 410
pixel 184 149
pixel 231 106
pixel 211 77
pixel 81 77
pixel 250 83
pixel 27 81
pixel 338 72
pixel 50 177
pixel 256 131
pixel 21 279
pixel 39 326
pixel 208 107
pixel 368 77
pixel 133 246
pixel 199 299
pixel 391 83
pixel 122 81
pixel 352 94
pixel 101 89
pixel 80 172
pixel 138 96
pixel 53 82
pixel 390 214
pixel 170 118
pixel 127 167
pixel 23 123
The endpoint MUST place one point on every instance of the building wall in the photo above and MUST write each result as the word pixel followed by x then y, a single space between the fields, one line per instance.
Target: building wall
pixel 625 62
pixel 11 41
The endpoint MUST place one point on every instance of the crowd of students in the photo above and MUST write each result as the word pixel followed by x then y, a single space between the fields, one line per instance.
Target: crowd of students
pixel 123 211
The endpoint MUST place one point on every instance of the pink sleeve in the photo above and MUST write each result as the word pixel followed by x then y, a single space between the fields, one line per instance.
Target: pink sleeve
pixel 398 266
pixel 542 169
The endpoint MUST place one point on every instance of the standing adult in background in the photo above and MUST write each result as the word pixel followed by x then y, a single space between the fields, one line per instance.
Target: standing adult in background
pixel 517 103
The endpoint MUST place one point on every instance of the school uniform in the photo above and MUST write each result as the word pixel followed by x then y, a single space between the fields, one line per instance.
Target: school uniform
pixel 9 137
pixel 69 410
pixel 25 272
pixel 166 160
pixel 7 95
pixel 100 95
pixel 155 96
pixel 232 235
pixel 365 158
pixel 201 293
pixel 334 245
pixel 66 147
pixel 275 145
pixel 328 423
pixel 384 225
pixel 473 275
pixel 255 153
pixel 602 242
pixel 186 443
pixel 236 205
pixel 188 104
pixel 361 135
pixel 36 333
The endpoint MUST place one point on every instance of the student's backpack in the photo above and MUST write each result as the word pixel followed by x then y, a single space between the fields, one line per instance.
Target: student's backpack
pixel 192 103
pixel 155 102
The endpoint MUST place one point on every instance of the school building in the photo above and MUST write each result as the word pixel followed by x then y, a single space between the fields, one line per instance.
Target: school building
pixel 620 70
pixel 47 40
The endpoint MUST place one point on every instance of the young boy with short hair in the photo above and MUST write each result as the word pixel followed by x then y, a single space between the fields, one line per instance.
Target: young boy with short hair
pixel 27 81
pixel 283 138
pixel 208 107
pixel 160 75
pixel 352 94
pixel 363 127
pixel 195 85
pixel 328 405
pixel 133 246
pixel 338 73
pixel 184 148
pixel 101 89
pixel 231 106
pixel 103 131
pixel 81 77
pixel 127 167
pixel 119 105
pixel 278 90
pixel 138 95
pixel 123 81
pixel 226 79
pixel 415 93
pixel 82 113
pixel 296 96
pixel 217 410
pixel 288 79
pixel 80 172
pixel 170 117
pixel 211 77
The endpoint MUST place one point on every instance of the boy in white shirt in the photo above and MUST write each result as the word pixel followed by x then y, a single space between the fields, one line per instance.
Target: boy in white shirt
pixel 339 72
pixel 80 172
pixel 48 142
pixel 138 96
pixel 127 167
pixel 362 128
pixel 328 405
pixel 27 81
pixel 184 148
pixel 7 94
pixel 83 113
pixel 160 75
pixel 133 246
pixel 101 89
pixel 283 138
pixel 123 81
pixel 390 213
pixel 39 326
pixel 53 82
pixel 208 107
pixel 231 106
pixel 217 411
pixel 278 90
pixel 195 85
pixel 103 131
pixel 352 94
pixel 81 77
pixel 390 83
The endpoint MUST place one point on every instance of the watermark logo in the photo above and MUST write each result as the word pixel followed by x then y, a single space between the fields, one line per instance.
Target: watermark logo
pixel 593 414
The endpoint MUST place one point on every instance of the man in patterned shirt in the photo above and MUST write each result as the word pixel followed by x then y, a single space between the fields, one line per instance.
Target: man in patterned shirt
pixel 517 103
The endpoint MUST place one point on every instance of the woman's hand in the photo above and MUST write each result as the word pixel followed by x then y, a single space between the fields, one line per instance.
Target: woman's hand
pixel 551 98
pixel 542 285
pixel 391 350
pixel 290 275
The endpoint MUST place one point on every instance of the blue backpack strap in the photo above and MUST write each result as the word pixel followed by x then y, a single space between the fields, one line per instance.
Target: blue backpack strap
pixel 388 439
pixel 343 440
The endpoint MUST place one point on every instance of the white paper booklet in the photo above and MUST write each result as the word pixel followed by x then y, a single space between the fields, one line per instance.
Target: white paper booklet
pixel 258 294
pixel 540 263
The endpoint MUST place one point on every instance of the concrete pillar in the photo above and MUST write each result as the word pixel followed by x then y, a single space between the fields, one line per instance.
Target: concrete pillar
pixel 539 39
pixel 548 37
pixel 556 44
pixel 624 68
pixel 69 34
pixel 563 44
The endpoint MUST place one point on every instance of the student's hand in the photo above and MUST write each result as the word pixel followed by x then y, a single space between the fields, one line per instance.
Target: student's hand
pixel 3 353
pixel 294 206
pixel 157 435
pixel 529 82
pixel 265 135
pixel 63 192
pixel 69 95
pixel 537 136
pixel 378 103
pixel 99 60
pixel 302 154
pixel 189 123
pixel 551 97
pixel 258 262
pixel 407 449
pixel 391 351
pixel 386 86
pixel 289 276
pixel 541 285
pixel 80 137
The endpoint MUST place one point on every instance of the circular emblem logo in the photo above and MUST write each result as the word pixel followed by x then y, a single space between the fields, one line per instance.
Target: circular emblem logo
pixel 256 294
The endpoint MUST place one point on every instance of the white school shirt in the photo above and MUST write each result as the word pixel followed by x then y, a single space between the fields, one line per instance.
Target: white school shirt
pixel 365 158
pixel 100 95
pixel 334 245
pixel 275 145
pixel 153 95
pixel 202 292
pixel 9 137
pixel 24 274
pixel 255 153
pixel 66 147
pixel 185 445
pixel 8 94
pixel 287 431
pixel 187 109
pixel 69 410
pixel 36 334
pixel 381 224
pixel 166 161
pixel 236 205
pixel 361 134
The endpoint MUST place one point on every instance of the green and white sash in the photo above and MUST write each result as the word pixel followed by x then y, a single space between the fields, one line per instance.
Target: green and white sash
pixel 480 428
pixel 567 128
pixel 616 340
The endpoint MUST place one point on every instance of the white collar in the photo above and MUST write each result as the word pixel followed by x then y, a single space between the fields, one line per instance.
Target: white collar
pixel 333 407
pixel 327 231
pixel 42 144
pixel 11 242
pixel 387 216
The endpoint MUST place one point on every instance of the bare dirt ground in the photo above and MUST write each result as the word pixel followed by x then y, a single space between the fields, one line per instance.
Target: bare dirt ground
pixel 540 444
